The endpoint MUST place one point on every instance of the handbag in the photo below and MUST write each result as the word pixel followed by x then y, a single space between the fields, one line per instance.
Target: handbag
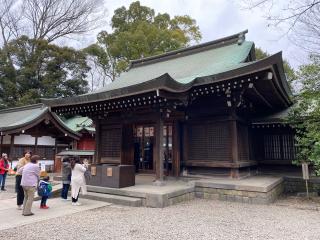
pixel 87 174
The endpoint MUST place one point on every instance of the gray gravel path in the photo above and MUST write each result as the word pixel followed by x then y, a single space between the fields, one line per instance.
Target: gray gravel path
pixel 198 219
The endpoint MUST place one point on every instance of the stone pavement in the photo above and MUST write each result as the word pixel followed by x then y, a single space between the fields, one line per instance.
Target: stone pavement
pixel 10 217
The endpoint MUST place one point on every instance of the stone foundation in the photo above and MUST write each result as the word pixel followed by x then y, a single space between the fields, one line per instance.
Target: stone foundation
pixel 242 196
pixel 297 184
pixel 256 190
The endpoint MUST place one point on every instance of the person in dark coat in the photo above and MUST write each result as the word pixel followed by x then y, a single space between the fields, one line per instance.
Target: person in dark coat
pixel 21 163
pixel 66 178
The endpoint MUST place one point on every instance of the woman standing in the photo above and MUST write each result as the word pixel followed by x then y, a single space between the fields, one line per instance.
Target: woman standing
pixel 20 193
pixel 78 180
pixel 66 178
pixel 4 168
pixel 29 182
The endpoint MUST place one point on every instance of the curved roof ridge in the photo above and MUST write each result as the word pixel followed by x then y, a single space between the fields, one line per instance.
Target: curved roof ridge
pixel 27 107
pixel 235 38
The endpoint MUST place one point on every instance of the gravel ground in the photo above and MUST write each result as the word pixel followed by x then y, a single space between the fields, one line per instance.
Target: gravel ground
pixel 198 219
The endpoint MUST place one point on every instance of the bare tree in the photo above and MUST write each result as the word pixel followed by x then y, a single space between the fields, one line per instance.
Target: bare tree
pixel 47 19
pixel 52 19
pixel 10 16
pixel 301 19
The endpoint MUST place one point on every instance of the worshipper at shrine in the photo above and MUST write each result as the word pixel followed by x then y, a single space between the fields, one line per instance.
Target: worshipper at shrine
pixel 4 168
pixel 21 163
pixel 29 181
pixel 66 178
pixel 78 181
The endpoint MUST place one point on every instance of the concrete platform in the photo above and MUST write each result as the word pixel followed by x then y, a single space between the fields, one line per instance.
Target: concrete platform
pixel 257 189
pixel 151 195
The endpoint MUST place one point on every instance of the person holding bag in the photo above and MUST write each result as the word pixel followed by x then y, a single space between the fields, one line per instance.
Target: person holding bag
pixel 78 181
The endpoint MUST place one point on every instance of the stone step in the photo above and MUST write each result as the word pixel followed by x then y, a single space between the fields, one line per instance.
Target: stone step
pixel 115 199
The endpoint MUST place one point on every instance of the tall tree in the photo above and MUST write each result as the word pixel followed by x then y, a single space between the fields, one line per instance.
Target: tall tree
pixel 138 32
pixel 49 71
pixel 305 115
pixel 26 30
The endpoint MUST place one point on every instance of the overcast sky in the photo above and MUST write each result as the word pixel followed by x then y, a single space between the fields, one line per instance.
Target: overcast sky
pixel 216 19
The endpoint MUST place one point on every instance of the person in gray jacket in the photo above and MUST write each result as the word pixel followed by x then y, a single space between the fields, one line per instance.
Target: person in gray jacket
pixel 66 178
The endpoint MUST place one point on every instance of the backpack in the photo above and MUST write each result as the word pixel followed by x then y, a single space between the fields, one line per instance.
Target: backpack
pixel 87 174
pixel 44 189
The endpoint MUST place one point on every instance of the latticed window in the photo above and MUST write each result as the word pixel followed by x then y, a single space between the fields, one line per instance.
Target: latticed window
pixel 111 142
pixel 279 146
pixel 210 142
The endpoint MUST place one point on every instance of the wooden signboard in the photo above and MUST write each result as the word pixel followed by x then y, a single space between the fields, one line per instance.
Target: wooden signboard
pixel 305 174
pixel 109 172
pixel 93 171
pixel 305 171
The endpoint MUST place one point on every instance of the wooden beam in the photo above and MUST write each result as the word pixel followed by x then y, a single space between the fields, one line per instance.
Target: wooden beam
pixel 262 97
pixel 218 164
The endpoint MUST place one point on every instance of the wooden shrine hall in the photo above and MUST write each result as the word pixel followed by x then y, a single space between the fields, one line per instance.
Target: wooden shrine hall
pixel 35 128
pixel 203 109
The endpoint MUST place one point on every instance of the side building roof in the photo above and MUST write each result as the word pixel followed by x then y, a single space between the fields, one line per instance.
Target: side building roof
pixel 79 124
pixel 16 120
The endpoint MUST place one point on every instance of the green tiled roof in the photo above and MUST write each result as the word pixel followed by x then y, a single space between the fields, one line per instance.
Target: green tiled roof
pixel 15 119
pixel 182 66
pixel 180 70
pixel 185 69
pixel 79 123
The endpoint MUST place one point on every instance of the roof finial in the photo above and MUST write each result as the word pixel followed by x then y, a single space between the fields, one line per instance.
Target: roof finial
pixel 241 38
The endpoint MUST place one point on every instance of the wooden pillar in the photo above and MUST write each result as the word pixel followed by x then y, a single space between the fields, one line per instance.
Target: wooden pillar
pixel 176 148
pixel 185 144
pixel 36 145
pixel 11 147
pixel 234 173
pixel 234 140
pixel 97 158
pixel 55 147
pixel 1 143
pixel 159 149
pixel 127 145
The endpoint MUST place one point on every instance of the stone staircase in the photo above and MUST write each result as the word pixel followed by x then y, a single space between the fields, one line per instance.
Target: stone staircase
pixel 115 199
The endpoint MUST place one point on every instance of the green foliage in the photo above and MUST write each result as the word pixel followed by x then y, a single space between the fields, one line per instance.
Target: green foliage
pixel 138 33
pixel 305 115
pixel 33 69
